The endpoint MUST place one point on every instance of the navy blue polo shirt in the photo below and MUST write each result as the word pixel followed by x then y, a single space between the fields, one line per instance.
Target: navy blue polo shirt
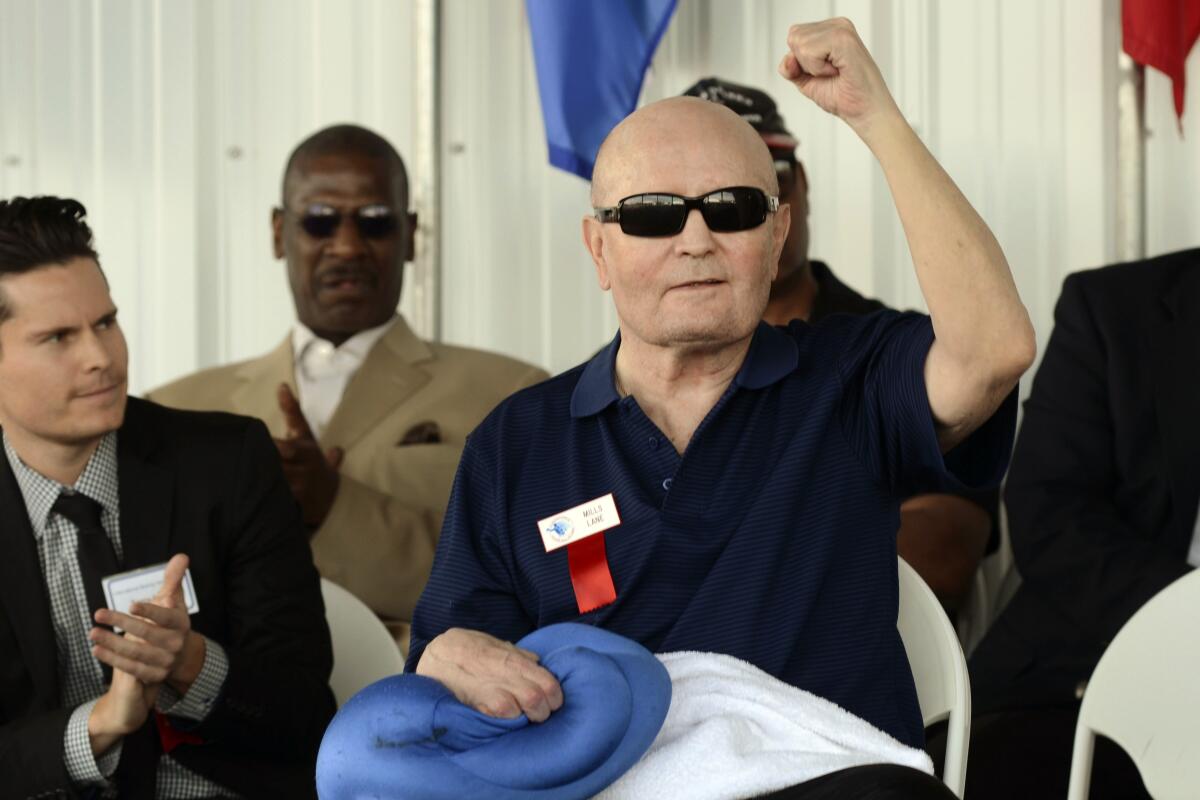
pixel 771 539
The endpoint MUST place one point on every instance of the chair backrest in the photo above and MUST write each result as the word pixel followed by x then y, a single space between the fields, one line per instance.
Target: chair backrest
pixel 939 669
pixel 363 650
pixel 1145 696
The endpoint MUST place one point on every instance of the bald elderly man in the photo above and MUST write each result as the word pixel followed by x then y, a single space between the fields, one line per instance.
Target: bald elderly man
pixel 712 483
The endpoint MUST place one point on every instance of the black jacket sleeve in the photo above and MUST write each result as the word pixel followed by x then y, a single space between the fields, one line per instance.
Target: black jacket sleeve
pixel 31 756
pixel 276 700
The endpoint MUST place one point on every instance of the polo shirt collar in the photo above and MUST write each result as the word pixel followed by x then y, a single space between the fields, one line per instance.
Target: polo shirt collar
pixel 772 356
pixel 597 388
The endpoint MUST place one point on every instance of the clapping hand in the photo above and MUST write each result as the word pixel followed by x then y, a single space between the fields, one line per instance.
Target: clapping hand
pixel 312 474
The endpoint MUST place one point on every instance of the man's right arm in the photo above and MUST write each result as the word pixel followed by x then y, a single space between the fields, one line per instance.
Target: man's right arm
pixel 469 613
pixel 943 537
pixel 1070 540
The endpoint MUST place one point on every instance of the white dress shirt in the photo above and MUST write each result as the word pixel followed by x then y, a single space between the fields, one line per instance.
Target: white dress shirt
pixel 323 371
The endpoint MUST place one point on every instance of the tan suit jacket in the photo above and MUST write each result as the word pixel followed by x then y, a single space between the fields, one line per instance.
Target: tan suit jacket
pixel 379 538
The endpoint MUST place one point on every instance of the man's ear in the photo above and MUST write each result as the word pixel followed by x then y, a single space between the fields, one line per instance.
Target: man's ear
pixel 5 312
pixel 781 222
pixel 410 236
pixel 802 186
pixel 593 239
pixel 277 231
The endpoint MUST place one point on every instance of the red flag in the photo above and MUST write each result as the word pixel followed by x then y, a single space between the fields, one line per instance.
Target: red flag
pixel 1159 34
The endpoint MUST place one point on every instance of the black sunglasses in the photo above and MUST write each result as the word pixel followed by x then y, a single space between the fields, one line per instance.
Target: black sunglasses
pixel 734 208
pixel 321 221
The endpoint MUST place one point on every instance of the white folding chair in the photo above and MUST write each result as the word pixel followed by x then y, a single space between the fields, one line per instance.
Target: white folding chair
pixel 363 650
pixel 939 669
pixel 1145 695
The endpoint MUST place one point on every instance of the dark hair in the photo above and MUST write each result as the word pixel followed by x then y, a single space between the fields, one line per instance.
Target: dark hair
pixel 346 140
pixel 37 231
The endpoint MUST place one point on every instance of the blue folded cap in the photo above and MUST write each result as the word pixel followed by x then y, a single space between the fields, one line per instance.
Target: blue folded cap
pixel 407 736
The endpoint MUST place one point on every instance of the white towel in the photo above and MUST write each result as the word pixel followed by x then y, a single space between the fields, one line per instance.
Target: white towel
pixel 733 731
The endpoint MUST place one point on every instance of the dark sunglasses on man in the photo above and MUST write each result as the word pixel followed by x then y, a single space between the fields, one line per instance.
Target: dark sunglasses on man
pixel 321 221
pixel 734 208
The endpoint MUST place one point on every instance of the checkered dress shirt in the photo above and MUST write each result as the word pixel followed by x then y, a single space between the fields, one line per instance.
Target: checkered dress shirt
pixel 79 672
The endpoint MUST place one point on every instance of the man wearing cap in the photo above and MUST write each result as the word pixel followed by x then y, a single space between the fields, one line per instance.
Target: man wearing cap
pixel 712 483
pixel 369 419
pixel 943 535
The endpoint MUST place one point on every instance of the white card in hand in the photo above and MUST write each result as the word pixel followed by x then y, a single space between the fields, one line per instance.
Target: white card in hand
pixel 126 588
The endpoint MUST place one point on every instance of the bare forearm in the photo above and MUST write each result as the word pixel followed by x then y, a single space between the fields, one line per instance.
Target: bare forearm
pixel 102 742
pixel 964 276
pixel 984 338
pixel 110 721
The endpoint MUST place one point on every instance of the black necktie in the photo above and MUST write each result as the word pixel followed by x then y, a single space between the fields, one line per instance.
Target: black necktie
pixel 94 552
pixel 135 776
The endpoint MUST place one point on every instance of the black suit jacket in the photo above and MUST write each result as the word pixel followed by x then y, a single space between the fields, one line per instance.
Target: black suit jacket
pixel 209 485
pixel 1105 478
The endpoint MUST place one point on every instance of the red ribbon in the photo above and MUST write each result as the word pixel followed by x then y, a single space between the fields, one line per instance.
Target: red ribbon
pixel 172 737
pixel 590 577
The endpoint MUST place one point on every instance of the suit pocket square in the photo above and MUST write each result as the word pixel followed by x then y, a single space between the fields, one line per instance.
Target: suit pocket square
pixel 426 432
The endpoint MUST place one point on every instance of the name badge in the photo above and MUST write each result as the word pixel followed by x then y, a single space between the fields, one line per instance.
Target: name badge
pixel 140 585
pixel 580 522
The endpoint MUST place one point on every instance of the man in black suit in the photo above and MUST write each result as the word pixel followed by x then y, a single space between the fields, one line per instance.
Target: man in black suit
pixel 230 702
pixel 1102 504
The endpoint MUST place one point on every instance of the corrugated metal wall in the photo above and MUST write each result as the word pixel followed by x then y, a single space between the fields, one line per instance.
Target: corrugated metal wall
pixel 172 120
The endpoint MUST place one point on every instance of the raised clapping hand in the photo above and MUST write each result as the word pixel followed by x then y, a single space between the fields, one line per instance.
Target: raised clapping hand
pixel 312 474
pixel 829 64
pixel 158 647
pixel 490 675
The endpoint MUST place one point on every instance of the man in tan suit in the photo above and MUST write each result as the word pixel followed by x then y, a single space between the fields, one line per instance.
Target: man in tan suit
pixel 369 419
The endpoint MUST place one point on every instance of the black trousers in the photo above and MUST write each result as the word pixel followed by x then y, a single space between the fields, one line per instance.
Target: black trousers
pixel 873 782
pixel 1026 754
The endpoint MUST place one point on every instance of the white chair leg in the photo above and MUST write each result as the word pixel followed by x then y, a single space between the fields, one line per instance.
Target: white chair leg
pixel 1081 763
pixel 954 770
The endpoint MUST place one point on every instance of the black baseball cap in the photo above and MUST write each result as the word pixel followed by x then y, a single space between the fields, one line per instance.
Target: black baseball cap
pixel 752 105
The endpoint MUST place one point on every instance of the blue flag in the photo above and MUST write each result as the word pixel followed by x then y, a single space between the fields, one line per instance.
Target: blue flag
pixel 591 58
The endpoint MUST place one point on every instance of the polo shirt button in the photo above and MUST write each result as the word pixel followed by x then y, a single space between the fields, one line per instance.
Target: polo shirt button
pixel 653 442
pixel 667 484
